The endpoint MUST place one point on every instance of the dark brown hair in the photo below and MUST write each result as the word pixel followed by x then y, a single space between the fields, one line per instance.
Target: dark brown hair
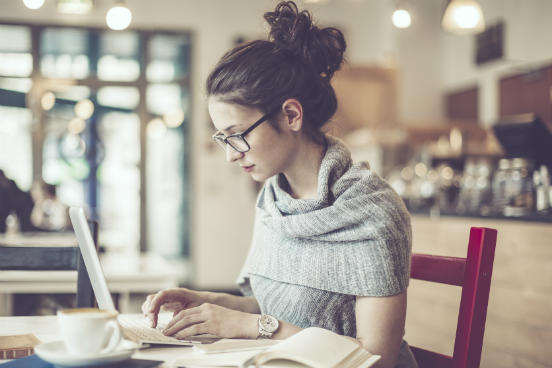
pixel 297 61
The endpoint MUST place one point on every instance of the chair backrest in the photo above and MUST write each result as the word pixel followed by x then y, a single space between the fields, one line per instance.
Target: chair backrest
pixel 52 258
pixel 473 275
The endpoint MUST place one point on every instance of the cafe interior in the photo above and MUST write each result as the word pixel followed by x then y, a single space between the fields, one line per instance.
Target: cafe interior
pixel 103 106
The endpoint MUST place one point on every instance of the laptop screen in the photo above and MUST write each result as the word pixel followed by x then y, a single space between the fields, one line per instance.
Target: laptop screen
pixel 90 257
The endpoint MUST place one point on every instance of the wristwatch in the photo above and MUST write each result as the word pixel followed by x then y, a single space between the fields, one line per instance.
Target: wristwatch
pixel 268 325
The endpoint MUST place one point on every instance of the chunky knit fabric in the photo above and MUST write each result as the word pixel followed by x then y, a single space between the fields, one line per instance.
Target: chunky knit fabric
pixel 354 238
pixel 310 258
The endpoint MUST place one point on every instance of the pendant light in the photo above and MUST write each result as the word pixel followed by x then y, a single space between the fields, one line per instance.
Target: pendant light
pixel 463 17
pixel 401 16
pixel 33 4
pixel 119 16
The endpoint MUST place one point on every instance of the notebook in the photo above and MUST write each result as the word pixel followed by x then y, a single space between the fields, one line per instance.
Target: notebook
pixel 136 327
pixel 17 346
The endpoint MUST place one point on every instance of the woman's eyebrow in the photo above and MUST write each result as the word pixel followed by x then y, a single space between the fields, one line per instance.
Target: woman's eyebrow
pixel 228 128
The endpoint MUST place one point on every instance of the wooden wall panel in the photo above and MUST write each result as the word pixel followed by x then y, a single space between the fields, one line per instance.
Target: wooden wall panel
pixel 367 98
pixel 463 105
pixel 529 92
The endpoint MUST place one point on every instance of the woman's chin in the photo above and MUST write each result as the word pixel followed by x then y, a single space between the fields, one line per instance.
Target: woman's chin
pixel 258 177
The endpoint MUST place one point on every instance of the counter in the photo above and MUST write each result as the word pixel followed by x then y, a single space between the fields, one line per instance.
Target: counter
pixel 519 324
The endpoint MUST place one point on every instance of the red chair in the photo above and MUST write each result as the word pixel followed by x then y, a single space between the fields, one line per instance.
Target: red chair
pixel 473 275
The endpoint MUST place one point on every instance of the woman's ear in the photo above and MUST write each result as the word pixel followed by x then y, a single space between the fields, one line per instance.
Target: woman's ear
pixel 293 111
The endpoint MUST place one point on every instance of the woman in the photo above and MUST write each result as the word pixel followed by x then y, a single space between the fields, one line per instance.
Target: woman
pixel 331 244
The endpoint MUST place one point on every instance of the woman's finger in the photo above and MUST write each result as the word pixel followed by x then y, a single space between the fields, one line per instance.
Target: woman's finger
pixel 172 307
pixel 155 305
pixel 182 314
pixel 197 329
pixel 183 323
pixel 146 304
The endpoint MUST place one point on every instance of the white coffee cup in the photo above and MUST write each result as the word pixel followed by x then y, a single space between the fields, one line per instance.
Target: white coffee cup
pixel 89 331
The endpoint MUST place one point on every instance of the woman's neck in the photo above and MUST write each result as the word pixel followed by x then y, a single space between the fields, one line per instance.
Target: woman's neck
pixel 302 174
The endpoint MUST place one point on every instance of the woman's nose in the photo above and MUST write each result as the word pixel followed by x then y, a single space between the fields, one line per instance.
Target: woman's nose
pixel 231 154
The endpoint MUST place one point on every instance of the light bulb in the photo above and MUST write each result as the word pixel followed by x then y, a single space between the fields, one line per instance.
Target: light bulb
pixel 47 101
pixel 466 16
pixel 401 18
pixel 33 4
pixel 174 118
pixel 156 128
pixel 118 17
pixel 463 17
pixel 76 126
pixel 84 109
pixel 420 169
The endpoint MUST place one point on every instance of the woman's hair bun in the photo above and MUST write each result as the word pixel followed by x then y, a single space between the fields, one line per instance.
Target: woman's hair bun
pixel 294 31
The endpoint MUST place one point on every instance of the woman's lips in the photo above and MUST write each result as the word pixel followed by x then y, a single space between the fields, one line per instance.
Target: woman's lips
pixel 248 168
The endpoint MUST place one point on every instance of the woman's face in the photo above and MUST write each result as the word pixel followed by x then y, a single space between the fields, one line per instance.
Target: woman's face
pixel 270 151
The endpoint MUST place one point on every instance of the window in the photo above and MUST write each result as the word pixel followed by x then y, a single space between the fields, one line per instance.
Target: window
pixel 109 132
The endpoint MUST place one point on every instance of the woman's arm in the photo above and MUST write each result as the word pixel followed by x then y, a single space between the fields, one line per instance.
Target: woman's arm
pixel 247 304
pixel 380 322
pixel 179 299
pixel 380 326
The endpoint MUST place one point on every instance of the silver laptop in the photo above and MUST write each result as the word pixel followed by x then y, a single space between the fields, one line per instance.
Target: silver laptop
pixel 135 327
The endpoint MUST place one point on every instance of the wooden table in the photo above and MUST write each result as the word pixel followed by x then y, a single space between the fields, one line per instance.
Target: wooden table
pixel 45 328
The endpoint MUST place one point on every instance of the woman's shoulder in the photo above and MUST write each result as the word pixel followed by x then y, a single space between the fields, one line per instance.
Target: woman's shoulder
pixel 360 179
pixel 364 188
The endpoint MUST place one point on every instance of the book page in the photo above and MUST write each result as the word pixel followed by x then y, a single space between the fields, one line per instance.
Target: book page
pixel 361 358
pixel 315 347
pixel 230 345
pixel 232 359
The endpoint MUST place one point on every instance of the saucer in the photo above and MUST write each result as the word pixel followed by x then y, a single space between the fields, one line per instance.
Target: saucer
pixel 54 352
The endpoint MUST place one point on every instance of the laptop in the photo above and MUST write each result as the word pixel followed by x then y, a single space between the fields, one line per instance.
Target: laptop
pixel 135 327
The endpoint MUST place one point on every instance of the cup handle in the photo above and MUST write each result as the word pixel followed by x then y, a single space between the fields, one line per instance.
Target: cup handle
pixel 112 329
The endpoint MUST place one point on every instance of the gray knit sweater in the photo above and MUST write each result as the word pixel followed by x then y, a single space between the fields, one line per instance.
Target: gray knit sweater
pixel 310 258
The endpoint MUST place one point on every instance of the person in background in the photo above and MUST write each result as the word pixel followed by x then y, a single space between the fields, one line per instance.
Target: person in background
pixel 332 241
pixel 14 201
pixel 49 213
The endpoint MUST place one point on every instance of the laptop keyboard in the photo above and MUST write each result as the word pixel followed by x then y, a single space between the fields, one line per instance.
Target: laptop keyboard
pixel 138 328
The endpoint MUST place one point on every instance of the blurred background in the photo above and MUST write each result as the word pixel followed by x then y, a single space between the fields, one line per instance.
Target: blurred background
pixel 102 105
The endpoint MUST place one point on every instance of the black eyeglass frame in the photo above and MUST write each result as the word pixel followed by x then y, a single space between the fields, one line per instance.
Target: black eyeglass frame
pixel 218 136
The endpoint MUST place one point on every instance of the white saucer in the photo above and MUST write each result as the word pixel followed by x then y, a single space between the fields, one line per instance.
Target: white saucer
pixel 54 352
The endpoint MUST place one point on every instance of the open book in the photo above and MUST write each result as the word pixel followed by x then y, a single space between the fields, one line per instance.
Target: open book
pixel 312 347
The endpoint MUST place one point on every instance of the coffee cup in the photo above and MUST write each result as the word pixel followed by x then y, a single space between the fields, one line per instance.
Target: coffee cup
pixel 89 331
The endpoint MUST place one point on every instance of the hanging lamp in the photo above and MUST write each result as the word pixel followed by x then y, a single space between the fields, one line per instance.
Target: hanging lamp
pixel 463 17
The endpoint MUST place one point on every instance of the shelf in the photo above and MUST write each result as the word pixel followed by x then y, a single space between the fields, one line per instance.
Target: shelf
pixel 530 218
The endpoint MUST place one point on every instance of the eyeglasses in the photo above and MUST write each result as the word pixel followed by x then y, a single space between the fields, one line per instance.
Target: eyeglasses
pixel 237 140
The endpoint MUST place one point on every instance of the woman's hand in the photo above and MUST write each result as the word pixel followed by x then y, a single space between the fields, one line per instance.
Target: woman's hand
pixel 213 319
pixel 171 300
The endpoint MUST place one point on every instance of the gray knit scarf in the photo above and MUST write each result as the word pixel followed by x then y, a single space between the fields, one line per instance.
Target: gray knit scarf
pixel 354 238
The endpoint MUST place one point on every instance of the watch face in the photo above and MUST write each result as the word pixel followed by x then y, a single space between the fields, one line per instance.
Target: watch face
pixel 268 323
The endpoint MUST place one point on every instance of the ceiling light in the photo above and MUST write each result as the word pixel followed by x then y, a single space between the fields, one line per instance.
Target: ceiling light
pixel 463 17
pixel 118 17
pixel 74 6
pixel 401 18
pixel 33 4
